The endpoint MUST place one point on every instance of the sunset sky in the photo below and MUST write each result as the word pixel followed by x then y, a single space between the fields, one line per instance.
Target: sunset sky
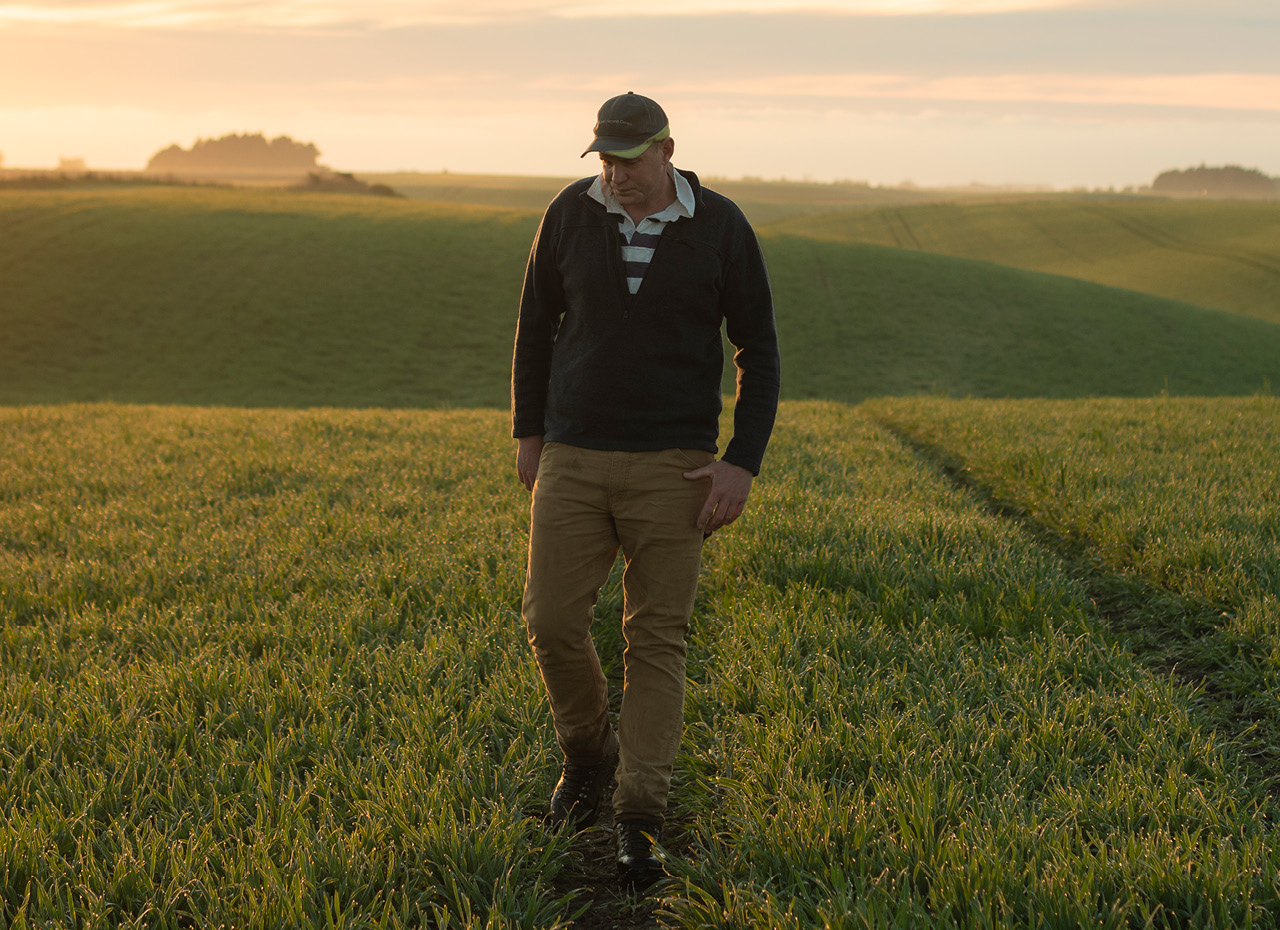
pixel 1061 93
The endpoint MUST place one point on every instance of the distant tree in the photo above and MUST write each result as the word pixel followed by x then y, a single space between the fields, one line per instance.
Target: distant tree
pixel 1227 181
pixel 237 154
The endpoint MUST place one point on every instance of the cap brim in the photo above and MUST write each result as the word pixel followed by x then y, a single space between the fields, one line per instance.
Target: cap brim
pixel 614 145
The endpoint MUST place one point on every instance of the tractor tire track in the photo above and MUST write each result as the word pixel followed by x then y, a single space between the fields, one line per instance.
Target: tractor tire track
pixel 900 230
pixel 1162 239
pixel 1161 628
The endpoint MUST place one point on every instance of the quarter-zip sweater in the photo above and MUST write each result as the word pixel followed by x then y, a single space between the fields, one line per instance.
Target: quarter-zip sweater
pixel 597 367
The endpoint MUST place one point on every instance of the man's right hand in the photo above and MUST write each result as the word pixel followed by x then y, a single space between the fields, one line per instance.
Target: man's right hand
pixel 528 454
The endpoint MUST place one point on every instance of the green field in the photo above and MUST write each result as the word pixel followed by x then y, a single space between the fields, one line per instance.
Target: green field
pixel 1219 254
pixel 256 298
pixel 222 297
pixel 265 668
pixel 999 662
pixel 762 201
pixel 1171 496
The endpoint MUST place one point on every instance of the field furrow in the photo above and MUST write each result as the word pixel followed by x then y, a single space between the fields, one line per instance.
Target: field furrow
pixel 915 718
pixel 266 668
pixel 1219 254
pixel 1162 238
pixel 1166 507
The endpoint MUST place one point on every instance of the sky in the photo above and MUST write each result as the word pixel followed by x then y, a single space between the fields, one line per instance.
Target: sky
pixel 1055 93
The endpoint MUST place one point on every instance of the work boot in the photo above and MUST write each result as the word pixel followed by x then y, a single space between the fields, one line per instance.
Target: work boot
pixel 638 867
pixel 576 800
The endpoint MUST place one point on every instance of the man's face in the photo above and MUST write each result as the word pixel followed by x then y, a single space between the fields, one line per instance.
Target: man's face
pixel 638 181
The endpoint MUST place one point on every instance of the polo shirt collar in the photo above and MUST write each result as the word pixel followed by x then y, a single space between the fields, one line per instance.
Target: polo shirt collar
pixel 682 207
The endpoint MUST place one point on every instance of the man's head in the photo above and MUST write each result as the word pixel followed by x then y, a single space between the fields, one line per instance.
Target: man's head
pixel 635 146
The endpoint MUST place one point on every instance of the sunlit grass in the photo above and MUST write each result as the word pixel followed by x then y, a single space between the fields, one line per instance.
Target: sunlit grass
pixel 912 717
pixel 264 670
pixel 1219 254
pixel 256 298
pixel 1173 495
pixel 267 668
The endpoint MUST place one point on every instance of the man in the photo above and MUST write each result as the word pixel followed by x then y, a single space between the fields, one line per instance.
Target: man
pixel 615 405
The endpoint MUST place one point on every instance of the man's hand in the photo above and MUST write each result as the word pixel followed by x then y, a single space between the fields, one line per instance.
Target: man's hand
pixel 730 485
pixel 528 454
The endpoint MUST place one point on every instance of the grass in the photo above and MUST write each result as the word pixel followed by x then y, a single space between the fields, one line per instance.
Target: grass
pixel 254 298
pixel 762 201
pixel 916 719
pixel 1224 255
pixel 265 668
pixel 1171 501
pixel 871 321
pixel 973 664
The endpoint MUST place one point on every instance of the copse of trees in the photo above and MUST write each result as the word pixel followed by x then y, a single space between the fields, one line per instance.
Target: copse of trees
pixel 1227 181
pixel 237 154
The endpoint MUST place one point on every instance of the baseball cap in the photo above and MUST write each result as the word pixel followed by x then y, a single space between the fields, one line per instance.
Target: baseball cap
pixel 627 125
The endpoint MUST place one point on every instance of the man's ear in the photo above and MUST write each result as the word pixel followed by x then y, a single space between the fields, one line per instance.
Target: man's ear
pixel 668 148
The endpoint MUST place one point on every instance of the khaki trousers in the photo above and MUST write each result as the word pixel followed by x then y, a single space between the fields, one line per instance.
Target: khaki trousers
pixel 586 505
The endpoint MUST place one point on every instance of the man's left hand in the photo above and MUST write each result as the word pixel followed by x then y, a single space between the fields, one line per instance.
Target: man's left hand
pixel 730 485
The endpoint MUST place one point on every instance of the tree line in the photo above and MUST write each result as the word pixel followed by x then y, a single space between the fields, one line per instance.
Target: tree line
pixel 1227 181
pixel 237 154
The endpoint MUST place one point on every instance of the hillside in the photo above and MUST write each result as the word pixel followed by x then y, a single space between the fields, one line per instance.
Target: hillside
pixel 1224 255
pixel 862 321
pixel 762 201
pixel 254 298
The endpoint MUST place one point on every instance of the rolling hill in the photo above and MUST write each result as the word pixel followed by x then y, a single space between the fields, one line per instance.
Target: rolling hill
pixel 1219 254
pixel 226 297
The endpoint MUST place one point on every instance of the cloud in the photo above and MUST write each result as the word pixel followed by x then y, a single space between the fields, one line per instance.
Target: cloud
pixel 346 74
pixel 1208 91
pixel 391 14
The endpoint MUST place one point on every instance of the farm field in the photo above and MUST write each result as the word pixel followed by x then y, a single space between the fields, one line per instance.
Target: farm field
pixel 1176 498
pixel 255 298
pixel 762 201
pixel 265 668
pixel 994 647
pixel 1219 254
pixel 274 299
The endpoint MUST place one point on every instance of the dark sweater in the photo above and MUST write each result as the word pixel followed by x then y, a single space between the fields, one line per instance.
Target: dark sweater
pixel 597 367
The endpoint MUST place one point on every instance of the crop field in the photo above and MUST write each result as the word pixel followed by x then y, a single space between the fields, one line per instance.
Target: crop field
pixel 1224 254
pixel 762 201
pixel 265 668
pixel 1178 498
pixel 219 297
pixel 222 297
pixel 995 645
pixel 870 321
